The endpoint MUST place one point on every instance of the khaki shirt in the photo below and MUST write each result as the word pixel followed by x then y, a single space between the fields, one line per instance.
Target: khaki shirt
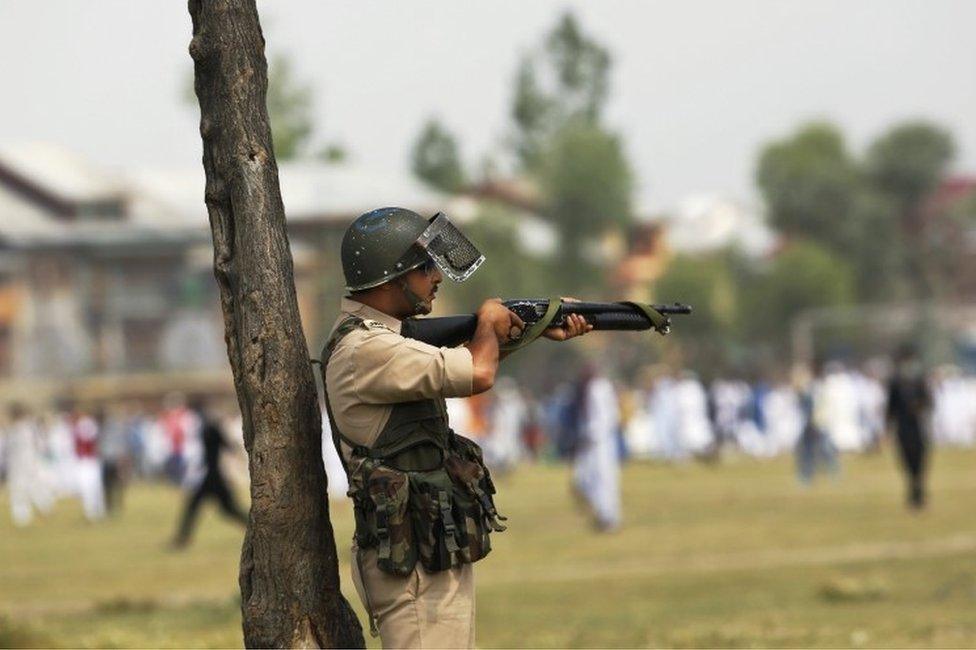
pixel 374 368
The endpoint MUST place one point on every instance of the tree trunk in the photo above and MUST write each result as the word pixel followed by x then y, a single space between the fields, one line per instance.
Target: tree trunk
pixel 289 575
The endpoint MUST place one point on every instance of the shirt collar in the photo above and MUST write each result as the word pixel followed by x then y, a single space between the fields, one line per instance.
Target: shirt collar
pixel 350 306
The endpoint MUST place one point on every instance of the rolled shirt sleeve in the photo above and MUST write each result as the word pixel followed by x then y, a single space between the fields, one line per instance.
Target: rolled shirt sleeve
pixel 391 368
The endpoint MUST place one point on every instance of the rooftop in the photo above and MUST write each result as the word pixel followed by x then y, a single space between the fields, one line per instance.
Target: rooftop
pixel 52 197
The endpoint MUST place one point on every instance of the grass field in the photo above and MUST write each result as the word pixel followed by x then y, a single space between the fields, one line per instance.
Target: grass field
pixel 730 555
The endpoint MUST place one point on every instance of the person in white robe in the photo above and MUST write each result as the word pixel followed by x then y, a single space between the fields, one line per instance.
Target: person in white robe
pixel 784 418
pixel 596 472
pixel 61 454
pixel 639 430
pixel 954 407
pixel 666 421
pixel 503 446
pixel 839 409
pixel 695 434
pixel 29 492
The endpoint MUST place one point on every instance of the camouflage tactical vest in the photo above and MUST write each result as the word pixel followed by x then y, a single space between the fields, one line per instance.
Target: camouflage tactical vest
pixel 421 492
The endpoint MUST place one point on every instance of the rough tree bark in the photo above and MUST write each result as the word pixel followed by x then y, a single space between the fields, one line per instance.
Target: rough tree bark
pixel 289 574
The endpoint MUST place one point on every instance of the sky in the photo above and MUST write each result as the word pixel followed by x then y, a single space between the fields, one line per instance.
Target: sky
pixel 697 87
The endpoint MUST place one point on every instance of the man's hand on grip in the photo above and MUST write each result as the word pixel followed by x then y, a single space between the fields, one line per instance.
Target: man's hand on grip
pixel 506 324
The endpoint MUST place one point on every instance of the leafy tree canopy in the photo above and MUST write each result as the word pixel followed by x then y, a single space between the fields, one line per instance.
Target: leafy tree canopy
pixel 588 185
pixel 436 159
pixel 909 160
pixel 566 81
pixel 581 166
pixel 809 182
pixel 708 282
pixel 806 275
pixel 867 210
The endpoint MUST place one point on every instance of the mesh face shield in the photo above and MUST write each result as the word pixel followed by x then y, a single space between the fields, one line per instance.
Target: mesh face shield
pixel 453 253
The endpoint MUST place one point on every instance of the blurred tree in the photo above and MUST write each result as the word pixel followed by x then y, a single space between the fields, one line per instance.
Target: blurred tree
pixel 587 184
pixel 530 110
pixel 804 276
pixel 741 305
pixel 809 183
pixel 869 213
pixel 436 159
pixel 582 66
pixel 709 284
pixel 333 153
pixel 908 162
pixel 950 239
pixel 573 87
pixel 875 249
pixel 580 165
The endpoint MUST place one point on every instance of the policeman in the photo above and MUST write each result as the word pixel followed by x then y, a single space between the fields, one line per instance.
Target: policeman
pixel 422 496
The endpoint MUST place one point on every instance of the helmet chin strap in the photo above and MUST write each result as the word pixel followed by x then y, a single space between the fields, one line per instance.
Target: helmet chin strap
pixel 418 303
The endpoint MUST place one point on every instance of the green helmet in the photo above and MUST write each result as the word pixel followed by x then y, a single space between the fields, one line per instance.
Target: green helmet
pixel 379 246
pixel 388 242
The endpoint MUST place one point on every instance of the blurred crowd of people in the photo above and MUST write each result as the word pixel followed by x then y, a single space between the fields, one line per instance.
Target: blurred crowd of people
pixel 91 452
pixel 672 415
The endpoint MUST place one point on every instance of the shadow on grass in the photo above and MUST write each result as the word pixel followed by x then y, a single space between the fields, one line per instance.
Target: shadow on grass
pixel 126 622
pixel 18 635
pixel 854 590
pixel 126 606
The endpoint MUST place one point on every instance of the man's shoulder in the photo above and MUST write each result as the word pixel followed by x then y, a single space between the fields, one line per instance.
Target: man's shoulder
pixel 348 322
pixel 356 331
pixel 374 325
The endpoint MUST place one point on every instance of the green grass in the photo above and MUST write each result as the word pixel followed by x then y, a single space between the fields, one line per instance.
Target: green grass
pixel 731 555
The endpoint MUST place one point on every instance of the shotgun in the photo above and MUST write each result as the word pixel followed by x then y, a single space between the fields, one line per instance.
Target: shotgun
pixel 543 313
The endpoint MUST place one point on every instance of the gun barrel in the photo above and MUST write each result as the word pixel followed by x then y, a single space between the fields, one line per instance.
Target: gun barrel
pixel 619 320
pixel 599 307
pixel 674 308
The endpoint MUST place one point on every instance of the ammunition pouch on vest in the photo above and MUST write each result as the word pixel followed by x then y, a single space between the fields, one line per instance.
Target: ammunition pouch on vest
pixel 421 492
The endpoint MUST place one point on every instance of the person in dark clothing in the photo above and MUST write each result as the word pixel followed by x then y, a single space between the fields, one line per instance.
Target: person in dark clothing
pixel 213 485
pixel 909 402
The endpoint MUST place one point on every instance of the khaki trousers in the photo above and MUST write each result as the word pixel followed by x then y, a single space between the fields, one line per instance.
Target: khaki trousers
pixel 421 610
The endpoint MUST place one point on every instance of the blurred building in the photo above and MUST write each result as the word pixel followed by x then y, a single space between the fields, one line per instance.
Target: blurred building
pixel 700 224
pixel 642 259
pixel 637 258
pixel 108 273
pixel 705 223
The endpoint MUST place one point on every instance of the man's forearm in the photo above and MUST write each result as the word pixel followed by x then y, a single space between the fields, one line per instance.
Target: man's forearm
pixel 484 355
